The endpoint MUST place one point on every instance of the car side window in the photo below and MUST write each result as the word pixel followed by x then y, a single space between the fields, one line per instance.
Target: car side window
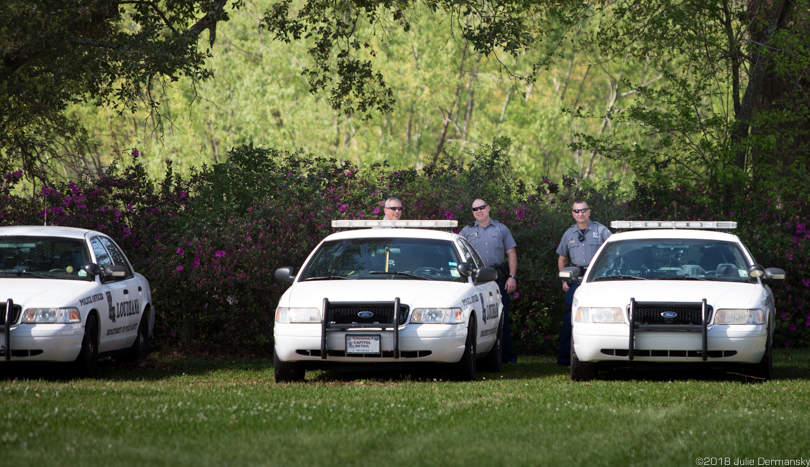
pixel 469 253
pixel 102 257
pixel 116 254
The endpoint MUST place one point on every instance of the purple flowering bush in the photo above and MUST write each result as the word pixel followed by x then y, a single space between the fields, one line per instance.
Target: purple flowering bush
pixel 209 243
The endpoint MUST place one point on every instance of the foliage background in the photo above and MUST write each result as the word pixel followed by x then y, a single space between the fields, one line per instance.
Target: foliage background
pixel 209 242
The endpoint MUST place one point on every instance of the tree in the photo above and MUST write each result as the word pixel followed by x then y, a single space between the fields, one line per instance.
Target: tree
pixel 117 52
pixel 731 110
pixel 343 59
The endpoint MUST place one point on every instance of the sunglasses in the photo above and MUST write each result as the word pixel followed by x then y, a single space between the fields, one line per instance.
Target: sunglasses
pixel 395 208
pixel 581 237
pixel 580 210
pixel 479 208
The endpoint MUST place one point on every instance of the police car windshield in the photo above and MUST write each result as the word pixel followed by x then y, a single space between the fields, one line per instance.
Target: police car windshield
pixel 43 257
pixel 384 259
pixel 670 260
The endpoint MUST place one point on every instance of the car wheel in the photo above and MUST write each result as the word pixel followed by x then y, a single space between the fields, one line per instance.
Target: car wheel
pixel 582 371
pixel 764 369
pixel 86 364
pixel 140 348
pixel 465 368
pixel 287 372
pixel 494 359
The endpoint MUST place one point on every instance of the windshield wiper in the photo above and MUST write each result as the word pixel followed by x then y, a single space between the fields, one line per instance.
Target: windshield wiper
pixel 35 274
pixel 399 273
pixel 327 278
pixel 687 278
pixel 620 277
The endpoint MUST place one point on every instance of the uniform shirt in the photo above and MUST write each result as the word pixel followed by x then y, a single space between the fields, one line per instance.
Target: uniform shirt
pixel 581 253
pixel 491 242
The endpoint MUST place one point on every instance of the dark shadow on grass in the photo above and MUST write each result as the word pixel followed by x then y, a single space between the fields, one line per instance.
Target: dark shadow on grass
pixel 153 368
pixel 527 368
pixel 787 364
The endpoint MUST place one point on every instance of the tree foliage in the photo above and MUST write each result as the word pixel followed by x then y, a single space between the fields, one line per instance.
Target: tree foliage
pixel 117 52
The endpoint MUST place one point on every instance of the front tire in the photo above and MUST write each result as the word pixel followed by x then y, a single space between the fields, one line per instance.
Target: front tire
pixel 764 369
pixel 465 368
pixel 493 362
pixel 287 372
pixel 140 348
pixel 86 364
pixel 582 371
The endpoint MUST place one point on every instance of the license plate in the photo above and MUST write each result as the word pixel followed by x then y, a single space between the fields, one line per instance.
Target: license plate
pixel 363 345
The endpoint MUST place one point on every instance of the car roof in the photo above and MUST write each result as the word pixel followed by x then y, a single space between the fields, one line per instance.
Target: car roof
pixel 46 231
pixel 392 233
pixel 677 234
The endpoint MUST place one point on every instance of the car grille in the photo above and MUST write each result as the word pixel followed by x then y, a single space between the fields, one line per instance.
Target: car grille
pixel 349 313
pixel 686 315
pixel 15 314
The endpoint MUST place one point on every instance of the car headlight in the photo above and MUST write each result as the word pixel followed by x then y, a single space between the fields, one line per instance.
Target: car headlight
pixel 437 315
pixel 298 315
pixel 586 314
pixel 51 315
pixel 739 316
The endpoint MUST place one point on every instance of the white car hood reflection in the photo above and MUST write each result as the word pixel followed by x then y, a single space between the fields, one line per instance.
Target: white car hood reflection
pixel 415 293
pixel 619 293
pixel 43 292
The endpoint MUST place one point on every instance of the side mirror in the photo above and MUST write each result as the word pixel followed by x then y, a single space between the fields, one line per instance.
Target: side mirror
pixel 774 274
pixel 116 271
pixel 756 271
pixel 483 275
pixel 285 274
pixel 464 269
pixel 92 269
pixel 571 274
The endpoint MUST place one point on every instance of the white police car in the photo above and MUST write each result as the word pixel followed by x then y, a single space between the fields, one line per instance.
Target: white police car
pixel 70 295
pixel 389 296
pixel 672 293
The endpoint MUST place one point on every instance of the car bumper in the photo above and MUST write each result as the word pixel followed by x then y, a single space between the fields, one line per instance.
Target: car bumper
pixel 44 342
pixel 733 344
pixel 417 343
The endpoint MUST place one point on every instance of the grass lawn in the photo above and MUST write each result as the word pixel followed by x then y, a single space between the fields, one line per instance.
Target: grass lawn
pixel 194 412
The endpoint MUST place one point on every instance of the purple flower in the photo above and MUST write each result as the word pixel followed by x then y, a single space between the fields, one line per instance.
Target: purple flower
pixel 135 153
pixel 516 295
pixel 342 208
pixel 180 252
pixel 180 268
pixel 219 254
pixel 789 256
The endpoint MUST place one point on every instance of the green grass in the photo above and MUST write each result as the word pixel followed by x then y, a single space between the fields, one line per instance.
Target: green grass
pixel 194 412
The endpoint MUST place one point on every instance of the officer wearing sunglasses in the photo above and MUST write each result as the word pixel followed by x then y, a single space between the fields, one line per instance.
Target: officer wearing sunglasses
pixel 393 209
pixel 493 242
pixel 579 244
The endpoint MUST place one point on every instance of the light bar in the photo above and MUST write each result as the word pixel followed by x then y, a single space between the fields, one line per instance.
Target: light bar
pixel 413 224
pixel 717 225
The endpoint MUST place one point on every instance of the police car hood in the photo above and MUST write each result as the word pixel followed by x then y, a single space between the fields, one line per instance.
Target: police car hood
pixel 52 293
pixel 414 293
pixel 619 293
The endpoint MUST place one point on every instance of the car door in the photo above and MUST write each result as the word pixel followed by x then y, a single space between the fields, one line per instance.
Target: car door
pixel 119 325
pixel 489 309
